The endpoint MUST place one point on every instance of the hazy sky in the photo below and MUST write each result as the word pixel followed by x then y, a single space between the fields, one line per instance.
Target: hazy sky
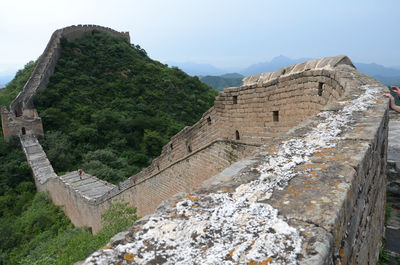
pixel 225 33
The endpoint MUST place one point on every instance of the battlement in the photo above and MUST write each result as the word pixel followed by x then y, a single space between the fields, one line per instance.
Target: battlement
pixel 327 63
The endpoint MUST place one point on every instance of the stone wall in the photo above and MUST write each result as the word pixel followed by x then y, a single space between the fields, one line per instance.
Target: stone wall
pixel 47 62
pixel 315 138
pixel 14 126
pixel 258 111
pixel 78 196
pixel 185 175
pixel 22 113
pixel 241 119
pixel 315 195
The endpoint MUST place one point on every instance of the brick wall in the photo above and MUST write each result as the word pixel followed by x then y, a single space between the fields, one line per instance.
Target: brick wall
pixel 22 112
pixel 333 196
pixel 185 175
pixel 45 67
pixel 246 114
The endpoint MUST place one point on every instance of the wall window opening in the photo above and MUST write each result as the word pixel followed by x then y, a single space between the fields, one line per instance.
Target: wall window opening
pixel 234 99
pixel 275 116
pixel 23 131
pixel 209 120
pixel 237 135
pixel 320 88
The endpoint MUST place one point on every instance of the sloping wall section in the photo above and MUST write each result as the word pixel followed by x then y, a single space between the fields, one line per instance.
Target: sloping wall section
pixel 22 118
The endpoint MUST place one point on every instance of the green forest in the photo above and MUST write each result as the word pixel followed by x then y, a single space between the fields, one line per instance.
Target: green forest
pixel 109 109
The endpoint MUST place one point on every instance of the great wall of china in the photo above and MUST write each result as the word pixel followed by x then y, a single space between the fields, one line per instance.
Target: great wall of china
pixel 292 163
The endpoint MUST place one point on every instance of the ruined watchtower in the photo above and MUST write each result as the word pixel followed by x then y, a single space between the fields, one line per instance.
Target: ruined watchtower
pixel 15 124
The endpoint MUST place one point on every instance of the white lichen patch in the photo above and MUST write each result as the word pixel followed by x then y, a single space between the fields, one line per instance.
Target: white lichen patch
pixel 239 226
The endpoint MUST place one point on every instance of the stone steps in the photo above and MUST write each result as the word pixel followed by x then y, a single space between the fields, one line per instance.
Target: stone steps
pixel 88 186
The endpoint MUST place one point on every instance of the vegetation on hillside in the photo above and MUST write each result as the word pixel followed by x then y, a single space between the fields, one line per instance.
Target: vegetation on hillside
pixel 109 108
pixel 32 229
pixel 223 81
pixel 15 86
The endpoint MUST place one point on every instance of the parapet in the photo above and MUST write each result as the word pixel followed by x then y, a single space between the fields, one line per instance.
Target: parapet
pixel 74 32
pixel 327 63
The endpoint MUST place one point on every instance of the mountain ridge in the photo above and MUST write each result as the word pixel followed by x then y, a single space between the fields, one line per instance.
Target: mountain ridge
pixel 217 76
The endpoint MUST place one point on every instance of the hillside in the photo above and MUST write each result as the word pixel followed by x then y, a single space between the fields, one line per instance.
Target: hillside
pixel 15 86
pixel 32 229
pixel 223 81
pixel 109 108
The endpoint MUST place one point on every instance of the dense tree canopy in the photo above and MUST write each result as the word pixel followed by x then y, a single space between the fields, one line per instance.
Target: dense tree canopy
pixel 109 108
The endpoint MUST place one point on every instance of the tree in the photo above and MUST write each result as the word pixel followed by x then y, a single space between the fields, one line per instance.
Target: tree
pixel 118 217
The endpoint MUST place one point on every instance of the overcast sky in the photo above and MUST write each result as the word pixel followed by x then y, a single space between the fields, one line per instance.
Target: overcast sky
pixel 225 33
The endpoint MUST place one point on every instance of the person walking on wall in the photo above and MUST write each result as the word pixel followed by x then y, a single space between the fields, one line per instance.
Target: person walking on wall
pixel 80 171
pixel 393 105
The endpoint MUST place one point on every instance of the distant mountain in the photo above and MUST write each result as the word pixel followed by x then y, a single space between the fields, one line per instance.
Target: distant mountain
pixel 385 75
pixel 223 81
pixel 232 75
pixel 373 69
pixel 215 77
pixel 388 80
pixel 272 66
pixel 198 69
